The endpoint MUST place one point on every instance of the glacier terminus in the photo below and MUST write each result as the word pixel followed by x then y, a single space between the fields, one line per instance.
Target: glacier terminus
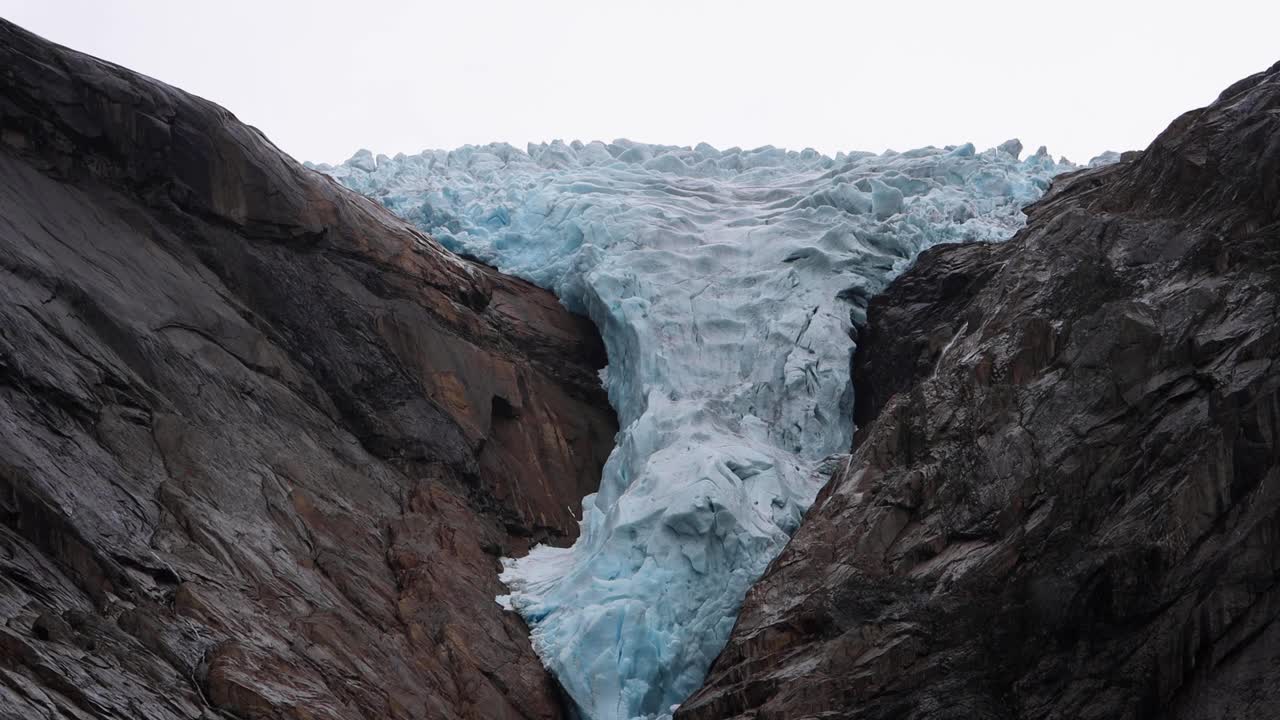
pixel 727 285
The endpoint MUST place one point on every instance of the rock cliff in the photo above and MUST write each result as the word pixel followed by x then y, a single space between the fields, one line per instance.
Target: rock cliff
pixel 1064 500
pixel 261 442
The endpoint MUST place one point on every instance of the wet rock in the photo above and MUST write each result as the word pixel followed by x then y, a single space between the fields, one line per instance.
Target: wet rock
pixel 260 441
pixel 1065 492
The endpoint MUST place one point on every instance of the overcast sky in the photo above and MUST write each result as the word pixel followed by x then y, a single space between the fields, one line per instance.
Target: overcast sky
pixel 325 78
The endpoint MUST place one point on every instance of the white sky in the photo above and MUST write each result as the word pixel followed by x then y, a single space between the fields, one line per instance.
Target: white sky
pixel 324 78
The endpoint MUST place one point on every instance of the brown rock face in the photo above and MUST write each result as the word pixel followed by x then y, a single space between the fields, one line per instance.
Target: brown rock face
pixel 1065 498
pixel 260 441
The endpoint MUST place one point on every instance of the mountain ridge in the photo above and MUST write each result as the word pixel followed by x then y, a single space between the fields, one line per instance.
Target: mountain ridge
pixel 1065 489
pixel 263 442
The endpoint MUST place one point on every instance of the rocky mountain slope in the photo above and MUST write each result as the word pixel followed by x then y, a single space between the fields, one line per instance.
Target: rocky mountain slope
pixel 261 443
pixel 1064 501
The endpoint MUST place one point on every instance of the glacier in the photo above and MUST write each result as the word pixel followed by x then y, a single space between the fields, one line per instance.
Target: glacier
pixel 727 285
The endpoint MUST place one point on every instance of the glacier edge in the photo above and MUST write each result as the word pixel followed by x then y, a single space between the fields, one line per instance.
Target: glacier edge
pixel 727 286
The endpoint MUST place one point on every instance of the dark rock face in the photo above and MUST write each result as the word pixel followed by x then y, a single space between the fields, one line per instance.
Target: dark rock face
pixel 260 441
pixel 1064 501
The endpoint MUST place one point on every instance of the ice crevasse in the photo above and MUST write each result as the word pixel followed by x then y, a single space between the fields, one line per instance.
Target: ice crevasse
pixel 727 285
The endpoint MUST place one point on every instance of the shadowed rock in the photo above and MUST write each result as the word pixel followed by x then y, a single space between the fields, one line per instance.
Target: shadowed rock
pixel 1064 500
pixel 260 441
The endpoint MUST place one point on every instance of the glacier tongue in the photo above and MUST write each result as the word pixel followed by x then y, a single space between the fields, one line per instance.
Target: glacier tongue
pixel 726 285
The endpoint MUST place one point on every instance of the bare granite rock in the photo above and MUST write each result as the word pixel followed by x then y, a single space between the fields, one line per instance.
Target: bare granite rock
pixel 261 442
pixel 1064 500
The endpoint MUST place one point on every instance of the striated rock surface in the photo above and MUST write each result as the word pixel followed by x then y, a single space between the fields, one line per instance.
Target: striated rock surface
pixel 261 443
pixel 1064 501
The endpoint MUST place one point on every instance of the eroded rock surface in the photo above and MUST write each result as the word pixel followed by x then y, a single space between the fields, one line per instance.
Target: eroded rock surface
pixel 261 443
pixel 1065 498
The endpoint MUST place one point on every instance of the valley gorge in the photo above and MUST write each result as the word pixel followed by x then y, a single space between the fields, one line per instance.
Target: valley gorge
pixel 267 444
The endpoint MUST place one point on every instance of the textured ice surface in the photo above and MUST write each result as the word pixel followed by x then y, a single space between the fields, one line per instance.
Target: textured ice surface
pixel 724 284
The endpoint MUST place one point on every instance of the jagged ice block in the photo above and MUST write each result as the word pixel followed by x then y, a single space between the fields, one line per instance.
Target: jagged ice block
pixel 727 285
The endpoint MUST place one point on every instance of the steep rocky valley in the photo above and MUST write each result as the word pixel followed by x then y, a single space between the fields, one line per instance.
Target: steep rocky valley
pixel 263 443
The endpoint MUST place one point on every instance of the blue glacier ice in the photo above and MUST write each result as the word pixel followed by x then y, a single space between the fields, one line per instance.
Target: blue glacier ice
pixel 726 284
